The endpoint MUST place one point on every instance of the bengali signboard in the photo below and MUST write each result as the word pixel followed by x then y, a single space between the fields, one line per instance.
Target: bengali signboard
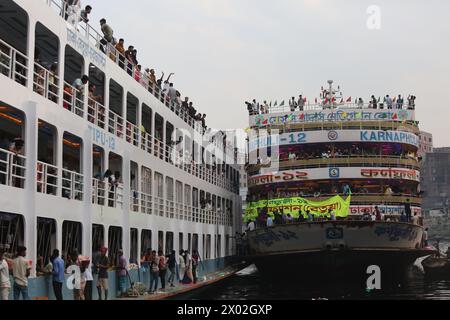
pixel 297 206
pixel 334 173
pixel 299 117
pixel 388 210
pixel 310 137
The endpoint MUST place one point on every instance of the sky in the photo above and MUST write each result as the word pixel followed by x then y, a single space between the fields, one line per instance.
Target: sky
pixel 226 52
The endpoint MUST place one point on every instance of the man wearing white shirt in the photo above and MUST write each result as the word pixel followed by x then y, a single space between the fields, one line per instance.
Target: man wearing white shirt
pixel 269 221
pixel 5 284
pixel 251 226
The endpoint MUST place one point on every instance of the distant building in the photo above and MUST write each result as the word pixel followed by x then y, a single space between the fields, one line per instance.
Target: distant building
pixel 426 143
pixel 243 187
pixel 436 181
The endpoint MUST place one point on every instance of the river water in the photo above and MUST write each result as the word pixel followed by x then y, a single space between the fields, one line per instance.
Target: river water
pixel 250 285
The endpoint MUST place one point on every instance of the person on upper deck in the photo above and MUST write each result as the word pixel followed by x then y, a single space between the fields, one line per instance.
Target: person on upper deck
pixel 108 32
pixel 400 102
pixel 293 104
pixel 389 102
pixel 84 16
pixel 79 83
pixel 121 49
pixel 301 103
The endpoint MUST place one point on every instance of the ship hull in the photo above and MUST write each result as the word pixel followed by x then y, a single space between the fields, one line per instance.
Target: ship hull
pixel 339 250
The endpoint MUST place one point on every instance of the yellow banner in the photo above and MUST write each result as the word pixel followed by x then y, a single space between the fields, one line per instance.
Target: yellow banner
pixel 297 206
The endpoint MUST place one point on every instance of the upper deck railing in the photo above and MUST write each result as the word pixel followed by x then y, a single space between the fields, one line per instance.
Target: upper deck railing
pixel 97 40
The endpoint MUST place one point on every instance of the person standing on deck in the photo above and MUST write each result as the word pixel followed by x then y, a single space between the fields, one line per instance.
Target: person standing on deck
pixel 154 271
pixel 57 274
pixel 181 266
pixel 172 263
pixel 102 267
pixel 408 211
pixel 122 274
pixel 188 277
pixel 5 284
pixel 162 269
pixel 195 264
pixel 21 272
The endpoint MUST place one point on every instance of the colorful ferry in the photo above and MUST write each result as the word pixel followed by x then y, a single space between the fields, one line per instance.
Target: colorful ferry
pixel 343 179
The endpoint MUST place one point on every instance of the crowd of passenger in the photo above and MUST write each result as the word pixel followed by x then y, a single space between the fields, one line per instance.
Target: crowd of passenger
pixel 127 59
pixel 330 190
pixel 279 217
pixel 301 103
pixel 182 268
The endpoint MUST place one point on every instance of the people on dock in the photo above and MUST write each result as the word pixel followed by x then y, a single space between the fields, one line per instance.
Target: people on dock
pixel 162 266
pixel 172 264
pixel 122 274
pixel 5 284
pixel 57 274
pixel 154 272
pixel 102 266
pixel 21 272
pixel 195 264
pixel 188 276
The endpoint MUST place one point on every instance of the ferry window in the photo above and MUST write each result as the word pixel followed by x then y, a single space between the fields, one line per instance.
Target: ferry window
pixel 46 242
pixel 11 233
pixel 47 158
pixel 12 126
pixel 202 199
pixel 208 247
pixel 159 193
pixel 134 185
pixel 96 84
pixel 187 195
pixel 195 197
pixel 114 244
pixel 170 198
pixel 147 118
pixel 169 133
pixel 215 246
pixel 13 25
pixel 146 190
pixel 227 245
pixel 132 108
pixel 179 193
pixel 161 241
pixel 180 241
pixel 114 172
pixel 133 245
pixel 189 242
pixel 98 155
pixel 194 242
pixel 72 146
pixel 146 241
pixel 219 246
pixel 73 65
pixel 71 239
pixel 98 237
pixel 203 246
pixel 187 146
pixel 159 127
pixel 169 242
pixel 195 153
pixel 46 56
pixel 115 98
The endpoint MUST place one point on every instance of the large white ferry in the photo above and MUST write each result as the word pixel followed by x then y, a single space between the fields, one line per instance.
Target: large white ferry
pixel 169 185
pixel 342 173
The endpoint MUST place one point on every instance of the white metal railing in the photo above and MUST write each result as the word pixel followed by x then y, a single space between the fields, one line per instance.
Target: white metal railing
pixel 98 41
pixel 72 185
pixel 146 142
pixel 73 100
pixel 158 148
pixel 343 105
pixel 96 113
pixel 159 206
pixel 45 83
pixel 146 203
pixel 98 192
pixel 12 169
pixel 115 195
pixel 132 134
pixel 47 178
pixel 170 209
pixel 115 124
pixel 13 64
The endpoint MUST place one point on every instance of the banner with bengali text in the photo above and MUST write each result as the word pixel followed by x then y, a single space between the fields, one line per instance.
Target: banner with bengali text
pixel 296 206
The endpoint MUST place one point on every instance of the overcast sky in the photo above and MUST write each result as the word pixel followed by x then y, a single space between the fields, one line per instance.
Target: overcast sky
pixel 224 52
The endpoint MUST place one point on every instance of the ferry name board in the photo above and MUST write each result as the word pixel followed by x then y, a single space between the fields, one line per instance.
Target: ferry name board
pixel 334 173
pixel 308 137
pixel 84 47
pixel 300 117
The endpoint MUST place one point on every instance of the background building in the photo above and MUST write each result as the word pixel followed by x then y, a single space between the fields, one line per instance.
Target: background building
pixel 436 182
pixel 426 143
